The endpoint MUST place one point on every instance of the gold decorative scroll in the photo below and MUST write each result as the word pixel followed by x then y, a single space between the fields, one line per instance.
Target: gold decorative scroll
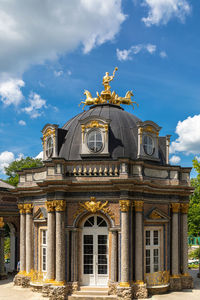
pixel 1 222
pixel 50 205
pixel 184 208
pixel 94 124
pixel 49 132
pixel 106 96
pixel 28 208
pixel 150 129
pixel 94 206
pixel 154 215
pixel 60 205
pixel 139 206
pixel 157 278
pixel 175 207
pixel 124 205
pixel 21 208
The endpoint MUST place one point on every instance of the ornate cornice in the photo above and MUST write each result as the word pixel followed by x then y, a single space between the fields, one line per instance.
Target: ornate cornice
pixel 1 222
pixel 184 208
pixel 50 206
pixel 139 206
pixel 28 208
pixel 21 208
pixel 124 205
pixel 94 124
pixel 60 205
pixel 175 207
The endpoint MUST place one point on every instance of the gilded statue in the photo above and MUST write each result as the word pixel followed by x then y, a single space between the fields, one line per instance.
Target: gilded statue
pixel 107 96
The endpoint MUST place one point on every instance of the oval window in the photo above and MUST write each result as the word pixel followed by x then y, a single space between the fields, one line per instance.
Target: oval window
pixel 49 147
pixel 148 145
pixel 95 141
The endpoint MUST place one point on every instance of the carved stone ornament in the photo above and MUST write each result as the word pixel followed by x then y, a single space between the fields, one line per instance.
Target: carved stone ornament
pixel 49 132
pixel 28 208
pixel 94 206
pixel 60 205
pixel 1 222
pixel 155 216
pixel 184 208
pixel 124 205
pixel 139 206
pixel 175 207
pixel 50 206
pixel 21 208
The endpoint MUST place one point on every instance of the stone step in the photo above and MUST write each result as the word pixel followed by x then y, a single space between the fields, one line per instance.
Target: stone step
pixel 91 292
pixel 93 288
pixel 89 297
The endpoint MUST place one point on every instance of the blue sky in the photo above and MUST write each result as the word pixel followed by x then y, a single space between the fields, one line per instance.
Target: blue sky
pixel 52 50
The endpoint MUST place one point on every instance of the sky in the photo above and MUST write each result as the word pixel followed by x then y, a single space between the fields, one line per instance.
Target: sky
pixel 51 51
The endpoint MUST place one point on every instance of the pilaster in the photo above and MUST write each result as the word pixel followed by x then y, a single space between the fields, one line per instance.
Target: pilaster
pixel 22 239
pixel 29 238
pixel 50 241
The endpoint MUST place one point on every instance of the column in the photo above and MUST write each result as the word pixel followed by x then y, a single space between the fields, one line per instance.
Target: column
pixel 124 206
pixel 139 251
pixel 184 238
pixel 74 257
pixel 22 238
pixel 50 241
pixel 175 244
pixel 60 241
pixel 114 256
pixel 29 238
pixel 2 269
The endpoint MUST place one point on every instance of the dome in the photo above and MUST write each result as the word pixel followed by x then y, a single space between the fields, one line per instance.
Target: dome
pixel 123 132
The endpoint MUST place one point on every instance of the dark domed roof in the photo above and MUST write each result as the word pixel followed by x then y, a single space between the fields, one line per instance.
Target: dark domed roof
pixel 123 132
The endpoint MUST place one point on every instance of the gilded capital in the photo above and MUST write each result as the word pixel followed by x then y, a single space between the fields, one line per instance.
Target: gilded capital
pixel 184 208
pixel 124 205
pixel 21 208
pixel 139 206
pixel 175 207
pixel 28 208
pixel 60 205
pixel 50 206
pixel 1 222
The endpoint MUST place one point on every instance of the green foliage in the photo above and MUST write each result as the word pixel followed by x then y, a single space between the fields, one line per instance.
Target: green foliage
pixel 195 253
pixel 194 207
pixel 17 165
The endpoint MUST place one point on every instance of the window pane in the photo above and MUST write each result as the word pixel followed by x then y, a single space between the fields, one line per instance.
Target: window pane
pixel 102 239
pixel 102 269
pixel 88 269
pixel 88 249
pixel 88 239
pixel 102 249
pixel 155 237
pixel 147 238
pixel 102 259
pixel 88 259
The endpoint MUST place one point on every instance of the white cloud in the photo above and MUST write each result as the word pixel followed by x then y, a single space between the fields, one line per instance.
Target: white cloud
pixel 127 54
pixel 161 11
pixel 6 158
pixel 163 54
pixel 175 160
pixel 36 105
pixel 40 155
pixel 58 73
pixel 188 140
pixel 10 92
pixel 22 123
pixel 69 72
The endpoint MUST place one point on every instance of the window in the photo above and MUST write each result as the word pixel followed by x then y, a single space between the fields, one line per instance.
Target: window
pixel 44 250
pixel 152 251
pixel 148 144
pixel 94 141
pixel 49 147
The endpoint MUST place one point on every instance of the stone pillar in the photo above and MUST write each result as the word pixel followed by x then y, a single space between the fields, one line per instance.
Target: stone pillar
pixel 50 241
pixel 60 206
pixel 114 256
pixel 175 280
pixel 139 287
pixel 22 238
pixel 12 249
pixel 186 279
pixel 2 262
pixel 29 238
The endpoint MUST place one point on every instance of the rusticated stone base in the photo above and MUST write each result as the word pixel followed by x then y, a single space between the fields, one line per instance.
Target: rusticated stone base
pixel 140 291
pixel 124 293
pixel 56 292
pixel 22 280
pixel 175 284
pixel 46 289
pixel 112 288
pixel 158 290
pixel 187 282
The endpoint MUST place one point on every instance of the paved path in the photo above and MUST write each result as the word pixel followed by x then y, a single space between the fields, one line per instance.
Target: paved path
pixel 10 292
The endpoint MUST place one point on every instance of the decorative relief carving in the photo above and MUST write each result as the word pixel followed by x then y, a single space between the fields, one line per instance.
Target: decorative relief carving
pixel 28 208
pixel 1 222
pixel 94 206
pixel 157 278
pixel 21 208
pixel 94 124
pixel 57 205
pixel 50 206
pixel 155 216
pixel 184 208
pixel 48 132
pixel 175 207
pixel 139 206
pixel 124 205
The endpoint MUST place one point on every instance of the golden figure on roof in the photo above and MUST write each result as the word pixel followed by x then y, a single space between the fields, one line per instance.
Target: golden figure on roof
pixel 106 95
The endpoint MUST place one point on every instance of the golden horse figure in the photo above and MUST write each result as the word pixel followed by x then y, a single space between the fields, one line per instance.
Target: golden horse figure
pixel 89 100
pixel 125 100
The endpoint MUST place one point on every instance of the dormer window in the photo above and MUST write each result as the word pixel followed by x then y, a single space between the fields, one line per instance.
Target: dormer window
pixel 49 147
pixel 94 141
pixel 148 144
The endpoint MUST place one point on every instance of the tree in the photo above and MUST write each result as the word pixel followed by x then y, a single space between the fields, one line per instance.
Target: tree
pixel 194 207
pixel 17 165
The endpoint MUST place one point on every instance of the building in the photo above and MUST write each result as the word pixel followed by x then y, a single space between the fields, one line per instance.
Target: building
pixel 107 209
pixel 9 220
